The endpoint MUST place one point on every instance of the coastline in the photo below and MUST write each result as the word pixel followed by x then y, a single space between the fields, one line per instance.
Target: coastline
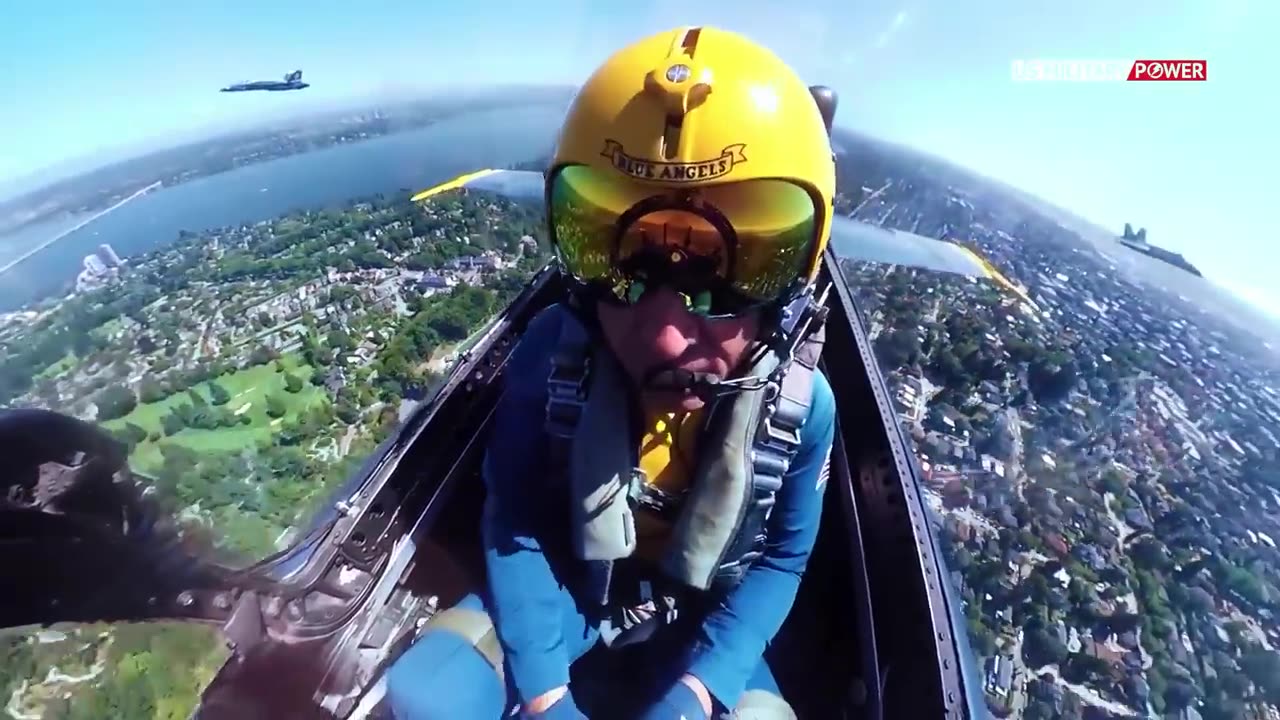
pixel 37 249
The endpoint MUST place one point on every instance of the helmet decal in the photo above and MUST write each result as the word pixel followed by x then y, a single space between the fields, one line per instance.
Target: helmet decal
pixel 645 169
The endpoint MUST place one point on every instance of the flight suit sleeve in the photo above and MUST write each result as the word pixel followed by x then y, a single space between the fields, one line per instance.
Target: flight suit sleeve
pixel 732 639
pixel 523 591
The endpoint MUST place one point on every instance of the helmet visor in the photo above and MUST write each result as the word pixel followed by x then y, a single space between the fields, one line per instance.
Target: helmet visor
pixel 739 243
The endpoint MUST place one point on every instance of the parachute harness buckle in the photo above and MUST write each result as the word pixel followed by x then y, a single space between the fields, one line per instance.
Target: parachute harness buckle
pixel 567 392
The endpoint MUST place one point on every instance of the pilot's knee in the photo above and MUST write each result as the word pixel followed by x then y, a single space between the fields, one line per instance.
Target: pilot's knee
pixel 762 705
pixel 454 670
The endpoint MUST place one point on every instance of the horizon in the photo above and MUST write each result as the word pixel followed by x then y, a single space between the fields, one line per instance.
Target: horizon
pixel 1176 158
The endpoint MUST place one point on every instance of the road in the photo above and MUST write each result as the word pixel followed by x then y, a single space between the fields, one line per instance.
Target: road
pixel 344 445
pixel 1122 529
pixel 30 253
pixel 1021 676
pixel 1088 695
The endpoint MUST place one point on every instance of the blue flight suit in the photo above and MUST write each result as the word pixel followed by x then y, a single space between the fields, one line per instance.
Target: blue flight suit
pixel 537 588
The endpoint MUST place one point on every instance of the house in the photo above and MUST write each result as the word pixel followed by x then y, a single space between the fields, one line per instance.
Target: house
pixel 1128 640
pixel 1055 543
pixel 1090 556
pixel 1113 658
pixel 1138 689
pixel 1004 681
pixel 335 380
pixel 1000 676
pixel 432 281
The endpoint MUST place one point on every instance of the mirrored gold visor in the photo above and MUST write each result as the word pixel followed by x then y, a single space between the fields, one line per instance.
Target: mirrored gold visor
pixel 751 238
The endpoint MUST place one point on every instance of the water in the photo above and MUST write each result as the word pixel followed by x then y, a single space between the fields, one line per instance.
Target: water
pixel 15 244
pixel 412 160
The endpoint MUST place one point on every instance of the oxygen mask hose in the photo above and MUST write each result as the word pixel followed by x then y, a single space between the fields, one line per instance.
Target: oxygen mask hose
pixel 707 386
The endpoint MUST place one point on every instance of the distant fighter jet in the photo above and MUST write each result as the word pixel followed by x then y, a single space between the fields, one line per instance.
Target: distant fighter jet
pixel 292 81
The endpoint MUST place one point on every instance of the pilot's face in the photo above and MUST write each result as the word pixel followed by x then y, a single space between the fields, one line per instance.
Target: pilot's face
pixel 658 332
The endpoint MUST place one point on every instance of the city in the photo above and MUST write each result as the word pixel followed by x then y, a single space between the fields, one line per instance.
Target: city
pixel 249 370
pixel 1098 456
pixel 1096 451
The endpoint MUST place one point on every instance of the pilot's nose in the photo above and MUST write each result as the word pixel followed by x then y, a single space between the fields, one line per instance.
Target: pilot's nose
pixel 666 322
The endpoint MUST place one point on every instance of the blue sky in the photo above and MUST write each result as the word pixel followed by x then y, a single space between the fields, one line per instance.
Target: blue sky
pixel 1193 162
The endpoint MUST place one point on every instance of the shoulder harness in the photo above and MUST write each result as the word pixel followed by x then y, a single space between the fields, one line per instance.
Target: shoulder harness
pixel 749 443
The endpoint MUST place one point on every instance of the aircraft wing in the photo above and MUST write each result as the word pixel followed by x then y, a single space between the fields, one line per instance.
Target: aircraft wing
pixel 850 239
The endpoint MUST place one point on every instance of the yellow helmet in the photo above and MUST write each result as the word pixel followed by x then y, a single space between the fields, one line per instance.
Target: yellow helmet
pixel 706 146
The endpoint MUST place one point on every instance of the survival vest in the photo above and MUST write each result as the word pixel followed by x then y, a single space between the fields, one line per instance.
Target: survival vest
pixel 747 445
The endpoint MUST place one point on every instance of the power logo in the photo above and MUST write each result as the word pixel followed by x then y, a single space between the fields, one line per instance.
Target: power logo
pixel 1166 70
pixel 1100 70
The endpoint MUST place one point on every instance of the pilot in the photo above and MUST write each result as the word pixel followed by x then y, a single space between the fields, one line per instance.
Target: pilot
pixel 657 463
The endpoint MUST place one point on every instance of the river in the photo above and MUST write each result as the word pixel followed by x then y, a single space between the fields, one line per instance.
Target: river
pixel 402 162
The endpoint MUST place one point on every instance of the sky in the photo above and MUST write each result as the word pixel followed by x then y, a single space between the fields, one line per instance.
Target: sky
pixel 1194 163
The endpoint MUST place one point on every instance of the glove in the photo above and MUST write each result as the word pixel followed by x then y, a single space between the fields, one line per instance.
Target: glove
pixel 680 703
pixel 563 709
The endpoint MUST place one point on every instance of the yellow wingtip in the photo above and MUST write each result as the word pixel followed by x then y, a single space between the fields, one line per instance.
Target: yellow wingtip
pixel 995 275
pixel 453 184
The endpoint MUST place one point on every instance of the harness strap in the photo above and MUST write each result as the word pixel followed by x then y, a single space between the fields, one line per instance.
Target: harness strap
pixel 476 628
pixel 567 389
pixel 777 439
pixel 776 443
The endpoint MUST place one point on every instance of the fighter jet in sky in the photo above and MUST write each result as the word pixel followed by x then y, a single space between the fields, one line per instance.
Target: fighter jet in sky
pixel 292 81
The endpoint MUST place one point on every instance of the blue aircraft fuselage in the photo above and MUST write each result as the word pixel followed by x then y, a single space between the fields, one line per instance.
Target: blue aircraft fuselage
pixel 272 85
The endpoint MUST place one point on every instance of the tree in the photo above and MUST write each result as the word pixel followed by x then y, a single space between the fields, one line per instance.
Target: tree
pixel 1077 592
pixel 1113 481
pixel 1149 552
pixel 1199 600
pixel 1037 587
pixel 1246 584
pixel 135 433
pixel 1042 648
pixel 1234 684
pixel 115 401
pixel 390 390
pixel 1263 668
pixel 340 340
pixel 1083 668
pixel 276 407
pixel 262 355
pixel 172 423
pixel 151 390
pixel 292 383
pixel 898 347
pixel 981 638
pixel 1156 681
pixel 1179 695
pixel 218 394
pixel 347 413
pixel 1038 709
pixel 122 436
